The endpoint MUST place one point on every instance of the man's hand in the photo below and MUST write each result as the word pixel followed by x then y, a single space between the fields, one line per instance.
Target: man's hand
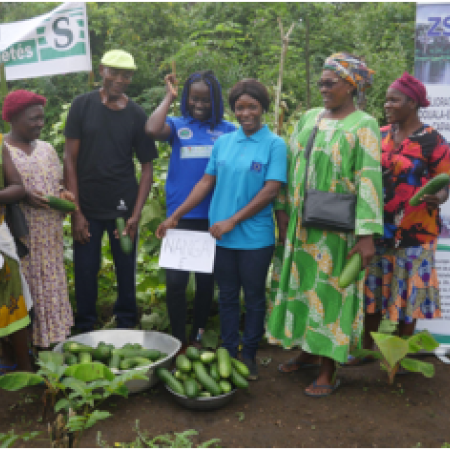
pixel 80 228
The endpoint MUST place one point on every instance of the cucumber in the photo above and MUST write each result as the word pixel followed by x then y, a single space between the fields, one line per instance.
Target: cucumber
pixel 166 377
pixel 84 357
pixel 204 394
pixel 190 388
pixel 125 241
pixel 214 372
pixel 51 357
pixel 114 362
pixel 137 361
pixel 70 359
pixel 193 353
pixel 60 204
pixel 350 272
pixel 225 386
pixel 76 347
pixel 238 380
pixel 205 380
pixel 434 185
pixel 132 353
pixel 240 367
pixel 182 363
pixel 223 362
pixel 101 353
pixel 181 376
pixel 207 357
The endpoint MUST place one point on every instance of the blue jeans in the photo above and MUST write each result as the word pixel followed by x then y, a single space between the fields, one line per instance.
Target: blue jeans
pixel 233 270
pixel 87 258
pixel 176 284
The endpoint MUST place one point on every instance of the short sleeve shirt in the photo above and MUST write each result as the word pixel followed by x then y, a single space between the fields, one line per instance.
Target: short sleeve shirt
pixel 107 185
pixel 242 164
pixel 192 142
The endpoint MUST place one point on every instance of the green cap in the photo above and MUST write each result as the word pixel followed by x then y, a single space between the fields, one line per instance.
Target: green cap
pixel 118 59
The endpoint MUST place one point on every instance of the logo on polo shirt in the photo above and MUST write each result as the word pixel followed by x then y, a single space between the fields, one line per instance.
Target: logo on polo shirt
pixel 256 166
pixel 185 133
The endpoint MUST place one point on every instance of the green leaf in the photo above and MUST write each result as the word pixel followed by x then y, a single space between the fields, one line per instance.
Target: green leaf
pixel 62 404
pixel 95 417
pixel 79 387
pixel 387 326
pixel 18 380
pixel 361 353
pixel 76 423
pixel 151 210
pixel 427 340
pixel 89 372
pixel 210 339
pixel 415 365
pixel 393 348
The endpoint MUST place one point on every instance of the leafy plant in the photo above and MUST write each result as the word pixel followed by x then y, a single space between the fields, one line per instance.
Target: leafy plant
pixel 393 350
pixel 178 440
pixel 8 439
pixel 83 388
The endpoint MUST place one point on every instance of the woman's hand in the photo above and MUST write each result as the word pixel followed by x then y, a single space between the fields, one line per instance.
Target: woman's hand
pixel 432 202
pixel 170 222
pixel 221 228
pixel 80 228
pixel 36 199
pixel 67 195
pixel 282 223
pixel 171 88
pixel 366 248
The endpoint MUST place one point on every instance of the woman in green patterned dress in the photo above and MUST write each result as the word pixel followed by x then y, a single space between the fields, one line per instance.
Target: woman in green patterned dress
pixel 308 309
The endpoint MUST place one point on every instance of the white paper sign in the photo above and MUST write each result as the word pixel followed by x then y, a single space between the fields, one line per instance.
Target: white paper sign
pixel 51 44
pixel 192 251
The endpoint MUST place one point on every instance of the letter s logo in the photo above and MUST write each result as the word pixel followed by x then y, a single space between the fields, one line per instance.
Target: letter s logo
pixel 64 36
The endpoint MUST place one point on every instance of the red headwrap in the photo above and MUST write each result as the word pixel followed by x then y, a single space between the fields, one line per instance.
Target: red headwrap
pixel 19 100
pixel 413 88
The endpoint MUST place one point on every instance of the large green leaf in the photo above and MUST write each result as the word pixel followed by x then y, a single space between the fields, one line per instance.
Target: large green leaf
pixel 151 210
pixel 393 348
pixel 89 372
pixel 415 365
pixel 361 353
pixel 96 416
pixel 210 339
pixel 428 342
pixel 62 404
pixel 18 380
pixel 387 326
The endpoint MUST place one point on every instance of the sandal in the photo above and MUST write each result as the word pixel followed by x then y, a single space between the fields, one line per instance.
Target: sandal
pixel 354 362
pixel 293 366
pixel 330 387
pixel 4 369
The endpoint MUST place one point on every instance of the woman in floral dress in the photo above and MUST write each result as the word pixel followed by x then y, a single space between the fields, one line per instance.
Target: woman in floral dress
pixel 41 172
pixel 308 308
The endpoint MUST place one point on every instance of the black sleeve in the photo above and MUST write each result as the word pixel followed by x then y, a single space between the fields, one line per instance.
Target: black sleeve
pixel 73 128
pixel 144 145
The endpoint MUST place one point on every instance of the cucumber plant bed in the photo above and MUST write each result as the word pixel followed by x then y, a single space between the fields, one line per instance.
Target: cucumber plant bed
pixel 364 412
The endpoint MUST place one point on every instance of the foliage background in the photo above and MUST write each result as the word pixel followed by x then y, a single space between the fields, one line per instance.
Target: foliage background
pixel 236 40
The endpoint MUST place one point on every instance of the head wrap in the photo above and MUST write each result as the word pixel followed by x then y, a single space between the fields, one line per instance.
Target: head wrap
pixel 19 100
pixel 350 69
pixel 411 87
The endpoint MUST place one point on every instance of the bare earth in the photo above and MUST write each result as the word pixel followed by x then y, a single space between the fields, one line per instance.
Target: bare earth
pixel 364 412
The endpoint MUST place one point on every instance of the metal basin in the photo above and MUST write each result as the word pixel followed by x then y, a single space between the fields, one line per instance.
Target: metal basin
pixel 202 403
pixel 119 337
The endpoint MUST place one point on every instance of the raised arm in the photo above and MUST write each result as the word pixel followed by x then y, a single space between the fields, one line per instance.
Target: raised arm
pixel 156 125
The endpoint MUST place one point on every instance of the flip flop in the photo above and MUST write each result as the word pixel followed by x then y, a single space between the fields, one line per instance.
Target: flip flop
pixel 4 369
pixel 293 366
pixel 331 387
pixel 355 362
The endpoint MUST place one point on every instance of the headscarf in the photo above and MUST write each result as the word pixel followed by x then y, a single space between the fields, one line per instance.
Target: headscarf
pixel 411 87
pixel 19 100
pixel 350 69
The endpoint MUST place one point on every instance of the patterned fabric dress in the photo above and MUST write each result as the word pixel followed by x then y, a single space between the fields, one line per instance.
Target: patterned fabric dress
pixel 308 309
pixel 44 266
pixel 402 280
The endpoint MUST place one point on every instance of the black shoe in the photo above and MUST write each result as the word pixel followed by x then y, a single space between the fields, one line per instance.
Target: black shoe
pixel 252 366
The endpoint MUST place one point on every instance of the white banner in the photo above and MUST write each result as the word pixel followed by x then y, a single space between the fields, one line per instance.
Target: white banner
pixel 432 67
pixel 52 44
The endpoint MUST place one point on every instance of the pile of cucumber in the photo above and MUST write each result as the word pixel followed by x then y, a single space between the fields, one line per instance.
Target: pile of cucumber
pixel 128 357
pixel 205 373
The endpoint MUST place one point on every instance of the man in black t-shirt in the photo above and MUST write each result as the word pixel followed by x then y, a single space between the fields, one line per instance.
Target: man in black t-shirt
pixel 104 129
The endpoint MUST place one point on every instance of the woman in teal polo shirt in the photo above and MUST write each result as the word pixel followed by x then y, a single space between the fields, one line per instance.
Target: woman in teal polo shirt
pixel 191 137
pixel 246 170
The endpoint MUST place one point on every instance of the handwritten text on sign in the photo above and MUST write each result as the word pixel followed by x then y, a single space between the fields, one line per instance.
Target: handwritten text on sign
pixel 192 251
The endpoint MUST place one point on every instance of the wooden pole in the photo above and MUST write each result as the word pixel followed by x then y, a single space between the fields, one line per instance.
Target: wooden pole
pixel 285 43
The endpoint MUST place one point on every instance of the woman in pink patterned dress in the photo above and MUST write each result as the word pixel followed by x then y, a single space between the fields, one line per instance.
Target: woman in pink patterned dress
pixel 41 172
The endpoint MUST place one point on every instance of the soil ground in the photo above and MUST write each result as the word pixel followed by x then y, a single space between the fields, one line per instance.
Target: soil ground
pixel 364 412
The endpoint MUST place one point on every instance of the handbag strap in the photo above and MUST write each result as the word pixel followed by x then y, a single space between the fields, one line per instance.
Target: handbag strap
pixel 309 146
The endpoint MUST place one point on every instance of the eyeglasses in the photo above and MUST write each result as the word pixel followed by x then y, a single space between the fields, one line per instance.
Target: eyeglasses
pixel 327 83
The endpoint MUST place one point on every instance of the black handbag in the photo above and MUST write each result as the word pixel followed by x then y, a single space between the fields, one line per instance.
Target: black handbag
pixel 326 210
pixel 18 226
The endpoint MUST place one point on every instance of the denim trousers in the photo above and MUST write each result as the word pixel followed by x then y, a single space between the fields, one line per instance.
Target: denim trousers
pixel 87 260
pixel 176 284
pixel 246 269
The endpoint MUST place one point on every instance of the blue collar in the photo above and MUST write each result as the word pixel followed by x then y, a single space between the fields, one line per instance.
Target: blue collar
pixel 191 120
pixel 256 137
